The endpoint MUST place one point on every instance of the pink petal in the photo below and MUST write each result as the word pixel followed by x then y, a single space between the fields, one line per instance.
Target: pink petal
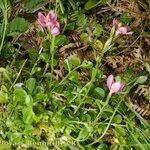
pixel 122 85
pixel 122 30
pixel 54 24
pixel 57 24
pixel 115 87
pixel 129 33
pixel 110 81
pixel 128 29
pixel 51 15
pixel 115 22
pixel 41 19
pixel 55 31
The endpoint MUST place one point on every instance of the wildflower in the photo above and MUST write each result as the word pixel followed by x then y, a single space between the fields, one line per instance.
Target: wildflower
pixel 49 21
pixel 114 87
pixel 121 29
pixel 115 22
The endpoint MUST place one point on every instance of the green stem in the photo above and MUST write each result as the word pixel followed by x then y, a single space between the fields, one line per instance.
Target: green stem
pixel 60 83
pixel 19 73
pixel 106 129
pixel 68 75
pixel 35 64
pixel 98 64
pixel 5 25
pixel 85 95
pixel 79 93
pixel 52 54
pixel 105 104
pixel 89 84
pixel 51 57
pixel 56 5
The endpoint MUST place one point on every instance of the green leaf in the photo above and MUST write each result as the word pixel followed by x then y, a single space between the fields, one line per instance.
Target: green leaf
pixel 98 45
pixel 33 54
pixel 120 131
pixel 72 147
pixel 117 119
pixel 141 79
pixel 87 64
pixel 38 109
pixel 99 92
pixel 73 4
pixel 3 94
pixel 3 97
pixel 82 20
pixel 90 4
pixel 86 118
pixel 107 45
pixel 83 133
pixel 46 44
pixel 98 30
pixel 2 6
pixel 14 137
pixel 102 147
pixel 75 61
pixel 28 129
pixel 112 32
pixel 70 26
pixel 6 74
pixel 31 6
pixel 43 147
pixel 28 115
pixel 4 88
pixel 40 97
pixel 18 25
pixel 30 84
pixel 67 65
pixel 28 100
pixel 20 96
pixel 84 36
pixel 45 57
pixel 94 72
pixel 60 40
pixel 147 65
pixel 125 18
pixel 74 76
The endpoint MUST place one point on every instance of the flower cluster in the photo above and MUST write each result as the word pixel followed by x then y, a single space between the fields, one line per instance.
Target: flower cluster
pixel 49 21
pixel 114 87
pixel 119 28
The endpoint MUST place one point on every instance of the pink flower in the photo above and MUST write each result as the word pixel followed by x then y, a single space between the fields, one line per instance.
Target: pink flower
pixel 49 21
pixel 115 22
pixel 124 30
pixel 41 19
pixel 114 87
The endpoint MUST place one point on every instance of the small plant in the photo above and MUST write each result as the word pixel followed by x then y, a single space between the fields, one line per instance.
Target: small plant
pixel 121 29
pixel 49 21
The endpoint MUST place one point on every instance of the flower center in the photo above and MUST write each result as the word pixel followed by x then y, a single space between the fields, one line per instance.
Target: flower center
pixel 48 19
